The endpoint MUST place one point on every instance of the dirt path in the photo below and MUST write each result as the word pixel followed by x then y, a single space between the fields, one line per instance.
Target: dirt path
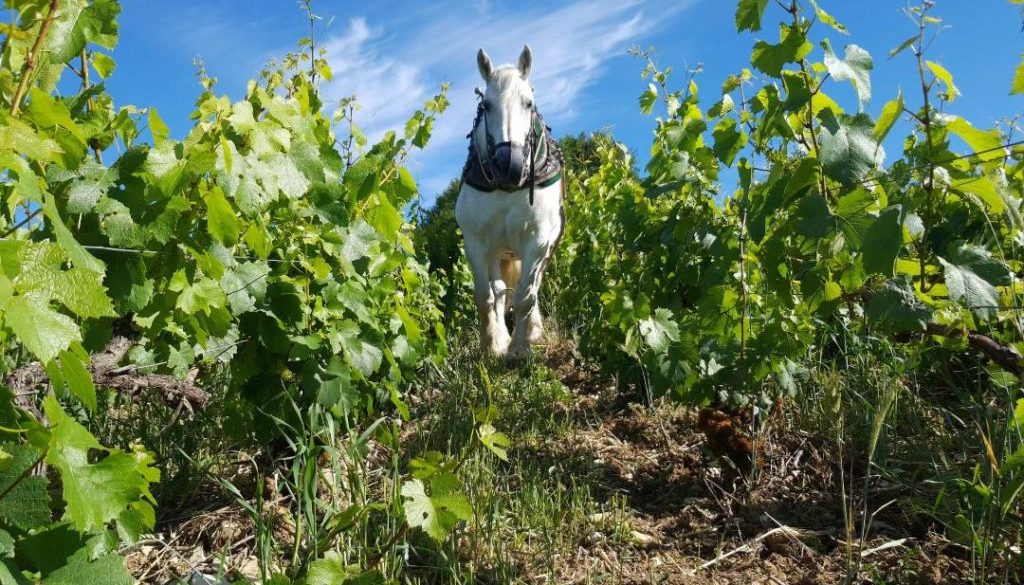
pixel 687 518
pixel 596 489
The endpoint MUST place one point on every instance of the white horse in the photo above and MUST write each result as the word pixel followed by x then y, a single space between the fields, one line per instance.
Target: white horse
pixel 509 206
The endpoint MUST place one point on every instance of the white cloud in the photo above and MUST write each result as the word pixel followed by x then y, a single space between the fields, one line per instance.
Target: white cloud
pixel 387 90
pixel 392 75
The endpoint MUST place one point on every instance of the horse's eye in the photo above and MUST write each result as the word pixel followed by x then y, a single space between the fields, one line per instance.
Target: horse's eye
pixel 487 105
pixel 528 103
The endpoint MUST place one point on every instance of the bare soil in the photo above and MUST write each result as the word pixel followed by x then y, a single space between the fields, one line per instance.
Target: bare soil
pixel 696 519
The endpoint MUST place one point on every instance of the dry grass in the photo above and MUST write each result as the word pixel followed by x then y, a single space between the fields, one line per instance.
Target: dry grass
pixel 600 489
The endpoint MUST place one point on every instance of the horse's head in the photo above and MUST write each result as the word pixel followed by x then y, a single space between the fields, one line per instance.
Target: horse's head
pixel 505 126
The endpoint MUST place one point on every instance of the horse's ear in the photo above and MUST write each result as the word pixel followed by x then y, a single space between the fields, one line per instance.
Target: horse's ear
pixel 525 61
pixel 484 63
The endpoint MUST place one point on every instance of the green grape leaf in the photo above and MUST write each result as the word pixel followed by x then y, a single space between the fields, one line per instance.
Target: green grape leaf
pixel 988 144
pixel 26 503
pixel 94 493
pixel 78 378
pixel 412 330
pixel 902 46
pixel 990 190
pixel 180 359
pixel 495 441
pixel 78 289
pixel 855 67
pixel 971 277
pixel 90 183
pixel 131 290
pixel 312 164
pixel 136 521
pixel 797 92
pixel 805 175
pixel 103 64
pixel 332 570
pixel 6 547
pixel 364 356
pixel 648 98
pixel 258 240
pixel 660 330
pixel 1018 79
pixel 79 24
pixel 160 132
pixel 245 285
pixel 895 308
pixel 336 389
pixel 43 331
pixel 221 220
pixel 436 515
pixel 772 58
pixel 109 569
pixel 241 118
pixel 349 295
pixel 728 140
pixel 287 177
pixel 359 238
pixel 749 14
pixel 203 295
pixel 384 217
pixel 944 76
pixel 427 465
pixel 814 219
pixel 50 113
pixel 78 255
pixel 890 115
pixel 12 253
pixel 883 241
pixel 10 574
pixel 828 18
pixel 849 151
pixel 27 142
pixel 722 107
pixel 405 187
pixel 49 548
pixel 82 292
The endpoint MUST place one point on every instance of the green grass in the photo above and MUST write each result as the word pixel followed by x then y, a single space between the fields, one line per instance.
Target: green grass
pixel 552 512
pixel 529 511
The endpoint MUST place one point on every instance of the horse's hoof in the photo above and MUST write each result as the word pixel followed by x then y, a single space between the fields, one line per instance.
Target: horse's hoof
pixel 498 349
pixel 536 336
pixel 518 354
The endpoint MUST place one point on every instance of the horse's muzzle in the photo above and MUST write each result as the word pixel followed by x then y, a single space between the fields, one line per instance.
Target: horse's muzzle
pixel 508 161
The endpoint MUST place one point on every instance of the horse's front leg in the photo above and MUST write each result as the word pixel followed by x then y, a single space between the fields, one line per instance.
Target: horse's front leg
pixel 500 291
pixel 526 304
pixel 491 339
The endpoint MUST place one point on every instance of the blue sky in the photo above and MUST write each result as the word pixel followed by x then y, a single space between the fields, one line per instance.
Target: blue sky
pixel 394 55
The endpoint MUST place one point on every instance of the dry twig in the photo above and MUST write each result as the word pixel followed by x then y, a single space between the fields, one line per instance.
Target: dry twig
pixel 25 380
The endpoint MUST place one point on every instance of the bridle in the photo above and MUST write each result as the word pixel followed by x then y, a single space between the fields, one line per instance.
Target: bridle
pixel 479 172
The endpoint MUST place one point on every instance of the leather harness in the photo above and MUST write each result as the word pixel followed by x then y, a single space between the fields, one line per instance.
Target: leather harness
pixel 545 165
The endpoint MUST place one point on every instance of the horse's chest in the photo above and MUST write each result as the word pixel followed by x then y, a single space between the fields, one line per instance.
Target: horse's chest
pixel 506 223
